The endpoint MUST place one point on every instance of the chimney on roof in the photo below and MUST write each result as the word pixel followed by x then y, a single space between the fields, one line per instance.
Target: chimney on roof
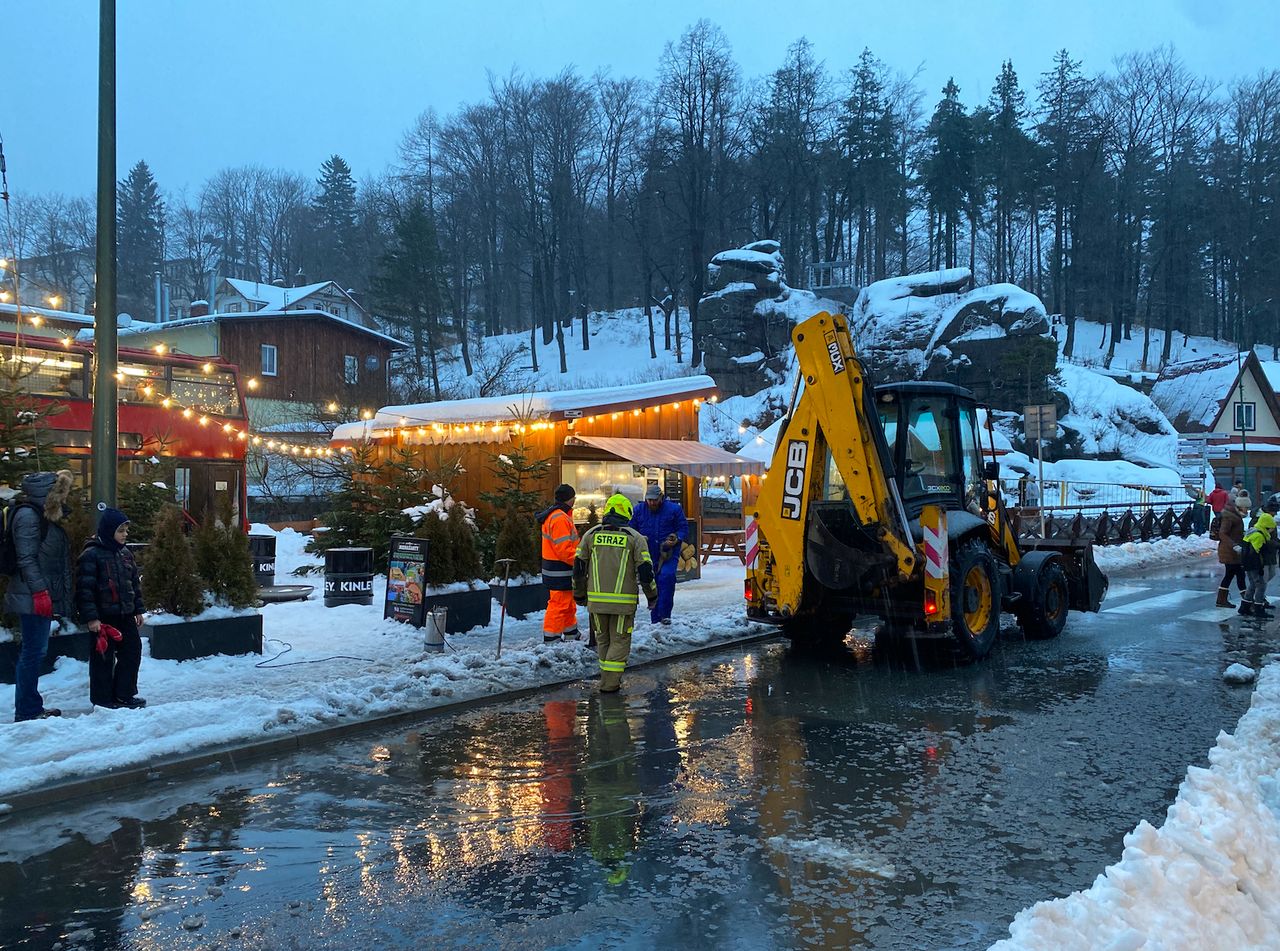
pixel 199 308
pixel 299 279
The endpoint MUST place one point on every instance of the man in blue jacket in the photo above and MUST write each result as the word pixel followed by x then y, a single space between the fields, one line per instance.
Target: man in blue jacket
pixel 662 523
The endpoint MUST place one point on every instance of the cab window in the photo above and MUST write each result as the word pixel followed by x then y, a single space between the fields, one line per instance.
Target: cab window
pixel 930 453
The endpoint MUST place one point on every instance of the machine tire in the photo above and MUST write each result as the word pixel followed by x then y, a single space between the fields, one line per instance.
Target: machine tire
pixel 1046 615
pixel 975 598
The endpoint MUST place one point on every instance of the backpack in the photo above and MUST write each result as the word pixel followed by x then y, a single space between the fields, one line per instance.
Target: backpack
pixel 8 553
pixel 1215 526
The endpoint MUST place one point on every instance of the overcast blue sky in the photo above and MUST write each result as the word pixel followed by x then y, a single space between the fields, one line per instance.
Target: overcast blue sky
pixel 203 85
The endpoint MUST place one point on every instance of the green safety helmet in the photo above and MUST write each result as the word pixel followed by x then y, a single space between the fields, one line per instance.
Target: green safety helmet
pixel 617 876
pixel 620 504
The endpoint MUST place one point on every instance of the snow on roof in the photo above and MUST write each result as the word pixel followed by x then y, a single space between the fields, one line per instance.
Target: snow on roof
pixel 273 297
pixel 48 314
pixel 1191 393
pixel 145 328
pixel 526 405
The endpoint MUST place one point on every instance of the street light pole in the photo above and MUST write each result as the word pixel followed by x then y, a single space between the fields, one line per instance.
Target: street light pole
pixel 105 409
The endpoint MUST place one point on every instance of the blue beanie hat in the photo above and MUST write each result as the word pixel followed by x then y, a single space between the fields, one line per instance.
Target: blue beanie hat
pixel 108 522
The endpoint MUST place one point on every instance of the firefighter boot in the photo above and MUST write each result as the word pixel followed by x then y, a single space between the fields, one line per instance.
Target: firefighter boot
pixel 1223 601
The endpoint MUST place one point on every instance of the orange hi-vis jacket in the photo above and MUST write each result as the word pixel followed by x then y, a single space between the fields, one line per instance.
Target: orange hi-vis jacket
pixel 559 542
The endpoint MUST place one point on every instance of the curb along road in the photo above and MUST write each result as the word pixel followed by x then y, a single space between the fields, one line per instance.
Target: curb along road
pixel 235 755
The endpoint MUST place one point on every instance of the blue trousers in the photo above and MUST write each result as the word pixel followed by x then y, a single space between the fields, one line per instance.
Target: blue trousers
pixel 27 702
pixel 666 592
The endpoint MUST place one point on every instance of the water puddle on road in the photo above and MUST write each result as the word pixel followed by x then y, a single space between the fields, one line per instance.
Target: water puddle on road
pixel 758 798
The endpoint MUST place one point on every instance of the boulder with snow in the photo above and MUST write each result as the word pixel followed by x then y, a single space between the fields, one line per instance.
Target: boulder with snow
pixel 747 315
pixel 1239 674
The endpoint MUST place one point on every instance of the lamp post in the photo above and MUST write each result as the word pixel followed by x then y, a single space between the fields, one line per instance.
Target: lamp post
pixel 105 410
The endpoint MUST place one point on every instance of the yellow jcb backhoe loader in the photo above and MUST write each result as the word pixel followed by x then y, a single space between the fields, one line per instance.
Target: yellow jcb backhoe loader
pixel 881 502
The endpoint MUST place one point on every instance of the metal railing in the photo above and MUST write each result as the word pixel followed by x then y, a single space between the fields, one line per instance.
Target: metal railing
pixel 1104 513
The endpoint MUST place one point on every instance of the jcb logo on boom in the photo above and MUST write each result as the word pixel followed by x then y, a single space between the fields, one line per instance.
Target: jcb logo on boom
pixel 793 482
pixel 833 351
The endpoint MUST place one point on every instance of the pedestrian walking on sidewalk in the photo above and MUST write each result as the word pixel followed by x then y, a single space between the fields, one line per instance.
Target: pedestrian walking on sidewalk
pixel 1218 499
pixel 661 521
pixel 559 543
pixel 611 568
pixel 1230 539
pixel 1254 601
pixel 40 586
pixel 109 599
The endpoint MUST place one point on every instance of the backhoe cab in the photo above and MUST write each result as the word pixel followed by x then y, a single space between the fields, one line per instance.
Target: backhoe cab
pixel 883 502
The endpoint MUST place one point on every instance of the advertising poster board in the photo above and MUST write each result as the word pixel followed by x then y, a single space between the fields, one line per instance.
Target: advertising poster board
pixel 406 579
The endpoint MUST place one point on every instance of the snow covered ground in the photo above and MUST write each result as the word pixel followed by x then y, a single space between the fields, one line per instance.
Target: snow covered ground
pixel 342 664
pixel 1208 879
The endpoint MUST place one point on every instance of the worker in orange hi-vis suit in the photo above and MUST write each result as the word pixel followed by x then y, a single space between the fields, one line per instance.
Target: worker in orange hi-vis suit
pixel 559 542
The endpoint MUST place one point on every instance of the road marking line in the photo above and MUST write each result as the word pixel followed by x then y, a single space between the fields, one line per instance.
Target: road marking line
pixel 1124 590
pixel 1212 615
pixel 1159 601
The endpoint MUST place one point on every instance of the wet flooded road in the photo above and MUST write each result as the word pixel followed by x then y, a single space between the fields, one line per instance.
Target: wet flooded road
pixel 755 798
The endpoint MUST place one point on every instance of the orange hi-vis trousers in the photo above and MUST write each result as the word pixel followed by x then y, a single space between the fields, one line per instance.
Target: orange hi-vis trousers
pixel 562 613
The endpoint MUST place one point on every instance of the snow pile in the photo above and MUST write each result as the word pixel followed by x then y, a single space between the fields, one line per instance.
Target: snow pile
pixel 1207 879
pixel 347 664
pixel 1239 674
pixel 1133 556
pixel 1191 393
pixel 1113 418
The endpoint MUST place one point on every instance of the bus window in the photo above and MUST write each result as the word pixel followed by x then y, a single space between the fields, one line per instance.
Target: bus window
pixel 207 392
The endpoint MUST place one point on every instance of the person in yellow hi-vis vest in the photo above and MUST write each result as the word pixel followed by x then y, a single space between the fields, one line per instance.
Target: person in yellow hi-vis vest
pixel 610 569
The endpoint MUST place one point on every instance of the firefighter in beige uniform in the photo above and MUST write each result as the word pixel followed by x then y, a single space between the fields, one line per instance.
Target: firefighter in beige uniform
pixel 610 568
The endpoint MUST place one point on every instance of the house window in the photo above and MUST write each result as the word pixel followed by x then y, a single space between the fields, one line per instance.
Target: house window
pixel 233 308
pixel 1246 416
pixel 269 366
pixel 335 311
pixel 350 369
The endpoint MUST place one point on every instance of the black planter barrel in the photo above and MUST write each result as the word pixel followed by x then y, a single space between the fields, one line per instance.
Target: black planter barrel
pixel 262 549
pixel 348 576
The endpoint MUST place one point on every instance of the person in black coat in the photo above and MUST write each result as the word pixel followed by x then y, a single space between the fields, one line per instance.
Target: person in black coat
pixel 109 598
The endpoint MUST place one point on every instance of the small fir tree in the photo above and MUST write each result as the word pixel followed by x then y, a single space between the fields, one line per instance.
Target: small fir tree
pixel 370 506
pixel 143 497
pixel 223 561
pixel 440 566
pixel 461 533
pixel 520 475
pixel 172 583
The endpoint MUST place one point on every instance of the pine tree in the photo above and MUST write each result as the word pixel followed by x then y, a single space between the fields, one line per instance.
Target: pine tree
pixel 947 172
pixel 170 582
pixel 335 219
pixel 26 444
pixel 520 475
pixel 140 230
pixel 410 287
pixel 461 534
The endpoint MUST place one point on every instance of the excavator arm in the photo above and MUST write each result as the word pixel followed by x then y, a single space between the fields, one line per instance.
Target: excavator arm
pixel 831 449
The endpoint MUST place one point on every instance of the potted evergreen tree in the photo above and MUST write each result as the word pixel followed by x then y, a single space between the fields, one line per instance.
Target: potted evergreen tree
pixel 454 574
pixel 520 473
pixel 202 602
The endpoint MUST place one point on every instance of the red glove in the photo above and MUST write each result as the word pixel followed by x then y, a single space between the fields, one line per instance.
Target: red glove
pixel 105 631
pixel 43 604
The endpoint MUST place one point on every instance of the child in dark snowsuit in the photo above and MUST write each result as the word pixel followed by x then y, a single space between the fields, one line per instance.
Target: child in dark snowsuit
pixel 109 598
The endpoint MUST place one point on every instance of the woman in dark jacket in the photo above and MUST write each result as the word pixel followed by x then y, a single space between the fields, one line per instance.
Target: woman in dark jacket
pixel 40 589
pixel 1230 537
pixel 109 597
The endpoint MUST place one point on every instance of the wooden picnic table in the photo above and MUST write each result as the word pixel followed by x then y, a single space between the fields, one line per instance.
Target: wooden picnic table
pixel 727 542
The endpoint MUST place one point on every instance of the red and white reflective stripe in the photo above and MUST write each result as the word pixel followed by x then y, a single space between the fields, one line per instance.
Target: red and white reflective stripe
pixel 935 551
pixel 753 542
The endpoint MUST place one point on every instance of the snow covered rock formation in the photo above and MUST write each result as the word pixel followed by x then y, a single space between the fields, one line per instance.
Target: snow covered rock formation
pixel 747 314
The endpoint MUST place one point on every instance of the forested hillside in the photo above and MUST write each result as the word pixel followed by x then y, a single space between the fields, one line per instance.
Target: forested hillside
pixel 1135 193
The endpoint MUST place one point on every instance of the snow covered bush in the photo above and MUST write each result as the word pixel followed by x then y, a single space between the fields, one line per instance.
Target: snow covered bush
pixel 224 563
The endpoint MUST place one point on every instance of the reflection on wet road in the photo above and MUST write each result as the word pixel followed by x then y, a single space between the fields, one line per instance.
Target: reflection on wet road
pixel 757 798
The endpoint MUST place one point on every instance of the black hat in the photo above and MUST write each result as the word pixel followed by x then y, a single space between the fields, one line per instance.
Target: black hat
pixel 565 492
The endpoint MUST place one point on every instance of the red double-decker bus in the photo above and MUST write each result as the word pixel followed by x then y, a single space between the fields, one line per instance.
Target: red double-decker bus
pixel 187 413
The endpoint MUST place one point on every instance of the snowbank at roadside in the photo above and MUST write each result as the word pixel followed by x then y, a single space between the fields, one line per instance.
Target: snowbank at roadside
pixel 342 664
pixel 1198 549
pixel 1207 879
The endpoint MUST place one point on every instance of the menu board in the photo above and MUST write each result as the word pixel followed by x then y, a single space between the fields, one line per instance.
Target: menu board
pixel 406 579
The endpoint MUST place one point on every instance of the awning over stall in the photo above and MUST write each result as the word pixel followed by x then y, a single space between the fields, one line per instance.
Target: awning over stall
pixel 691 458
